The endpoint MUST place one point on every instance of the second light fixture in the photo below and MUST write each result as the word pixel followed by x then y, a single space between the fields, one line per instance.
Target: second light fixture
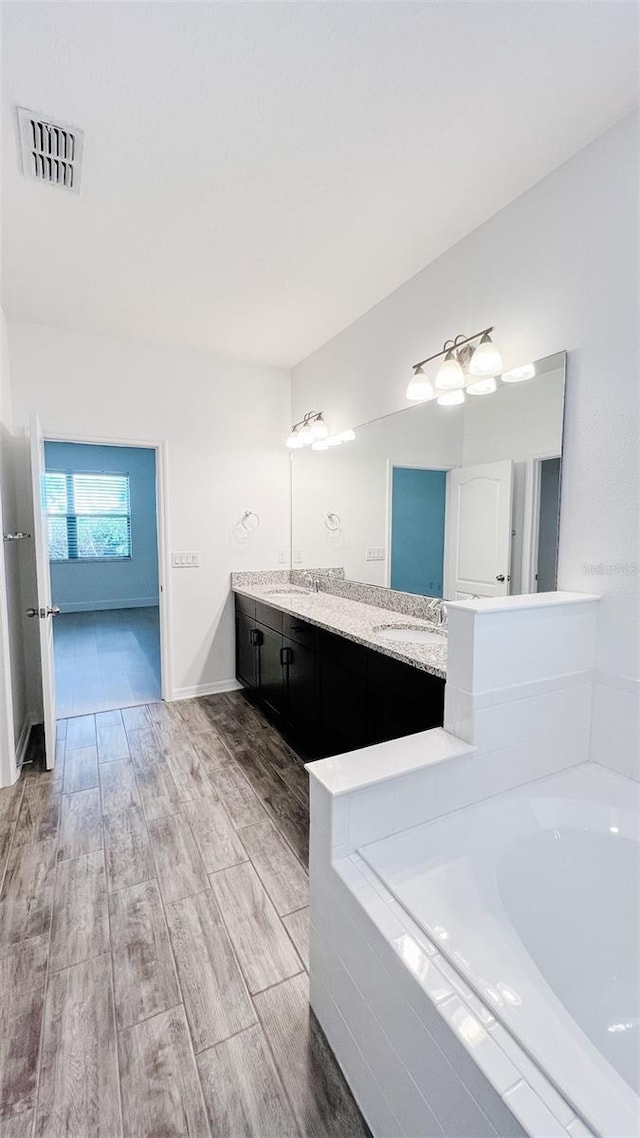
pixel 466 368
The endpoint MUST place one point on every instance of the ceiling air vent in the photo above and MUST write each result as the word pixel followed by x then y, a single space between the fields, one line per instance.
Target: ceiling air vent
pixel 51 152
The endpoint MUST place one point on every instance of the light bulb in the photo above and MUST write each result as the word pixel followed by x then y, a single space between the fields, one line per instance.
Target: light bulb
pixel 293 441
pixel 420 387
pixel 451 398
pixel 450 374
pixel 319 429
pixel 486 358
pixel 305 435
pixel 334 441
pixel 320 444
pixel 484 386
pixel 347 436
pixel 517 374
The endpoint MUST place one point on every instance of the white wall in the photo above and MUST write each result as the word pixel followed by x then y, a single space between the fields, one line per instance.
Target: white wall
pixel 555 269
pixel 14 717
pixel 224 423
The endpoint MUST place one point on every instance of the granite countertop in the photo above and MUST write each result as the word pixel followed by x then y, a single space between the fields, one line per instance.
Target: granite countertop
pixel 355 621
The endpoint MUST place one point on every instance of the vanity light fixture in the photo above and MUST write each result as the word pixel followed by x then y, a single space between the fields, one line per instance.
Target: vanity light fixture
pixel 468 362
pixel 334 440
pixel 420 387
pixel 486 360
pixel 312 428
pixel 518 374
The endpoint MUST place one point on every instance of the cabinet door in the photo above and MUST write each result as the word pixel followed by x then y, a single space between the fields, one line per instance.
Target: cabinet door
pixel 246 650
pixel 271 671
pixel 302 702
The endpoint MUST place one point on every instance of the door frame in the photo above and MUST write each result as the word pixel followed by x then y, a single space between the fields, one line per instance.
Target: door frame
pixel 391 466
pixel 162 517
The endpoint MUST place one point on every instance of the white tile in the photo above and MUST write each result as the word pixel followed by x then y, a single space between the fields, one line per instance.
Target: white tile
pixel 616 729
pixel 346 774
pixel 370 815
pixel 487 1019
pixel 577 1129
pixel 373 1102
pixel 533 1076
pixel 460 634
pixel 423 967
pixel 409 1106
pixel 476 1040
pixel 532 1113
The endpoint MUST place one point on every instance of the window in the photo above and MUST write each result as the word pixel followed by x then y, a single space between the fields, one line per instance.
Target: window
pixel 88 515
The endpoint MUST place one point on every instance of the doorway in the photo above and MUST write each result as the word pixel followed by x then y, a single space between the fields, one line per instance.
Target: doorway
pixel 417 530
pixel 101 507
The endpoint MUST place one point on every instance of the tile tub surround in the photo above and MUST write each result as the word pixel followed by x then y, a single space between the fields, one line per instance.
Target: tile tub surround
pixel 520 683
pixel 529 663
pixel 354 620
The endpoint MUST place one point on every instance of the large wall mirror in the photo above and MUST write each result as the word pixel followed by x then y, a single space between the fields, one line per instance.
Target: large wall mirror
pixel 442 501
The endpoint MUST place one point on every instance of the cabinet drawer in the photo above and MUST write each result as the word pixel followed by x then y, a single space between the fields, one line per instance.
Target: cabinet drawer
pixel 273 618
pixel 300 631
pixel 246 605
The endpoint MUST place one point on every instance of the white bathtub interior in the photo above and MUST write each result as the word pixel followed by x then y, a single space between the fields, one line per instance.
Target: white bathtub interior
pixel 532 896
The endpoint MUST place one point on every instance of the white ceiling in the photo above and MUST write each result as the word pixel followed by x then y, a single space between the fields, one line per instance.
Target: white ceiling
pixel 257 175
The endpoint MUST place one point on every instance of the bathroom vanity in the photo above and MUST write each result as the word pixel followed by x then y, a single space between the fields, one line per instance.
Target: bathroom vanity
pixel 326 673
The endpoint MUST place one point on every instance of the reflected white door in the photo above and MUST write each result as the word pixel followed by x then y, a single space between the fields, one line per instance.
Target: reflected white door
pixel 43 611
pixel 478 530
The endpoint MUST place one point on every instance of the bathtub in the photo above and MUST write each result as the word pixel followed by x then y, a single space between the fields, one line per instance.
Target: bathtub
pixel 533 898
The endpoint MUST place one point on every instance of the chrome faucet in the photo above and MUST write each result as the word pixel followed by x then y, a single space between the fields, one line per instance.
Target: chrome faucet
pixel 312 582
pixel 438 612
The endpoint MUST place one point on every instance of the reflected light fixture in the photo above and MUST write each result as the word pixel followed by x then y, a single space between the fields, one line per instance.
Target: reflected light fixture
pixel 486 360
pixel 451 398
pixel 518 374
pixel 420 388
pixel 484 386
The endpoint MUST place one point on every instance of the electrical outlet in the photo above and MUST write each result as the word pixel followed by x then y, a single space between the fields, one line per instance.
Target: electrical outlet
pixel 375 553
pixel 188 560
pixel 283 557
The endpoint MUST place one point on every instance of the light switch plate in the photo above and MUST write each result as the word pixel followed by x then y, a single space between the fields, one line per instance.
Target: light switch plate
pixel 375 553
pixel 283 557
pixel 187 560
pixel 297 557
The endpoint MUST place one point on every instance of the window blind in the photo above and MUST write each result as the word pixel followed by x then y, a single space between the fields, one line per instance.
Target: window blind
pixel 89 516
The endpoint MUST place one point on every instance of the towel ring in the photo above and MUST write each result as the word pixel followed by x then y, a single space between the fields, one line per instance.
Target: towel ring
pixel 250 521
pixel 332 521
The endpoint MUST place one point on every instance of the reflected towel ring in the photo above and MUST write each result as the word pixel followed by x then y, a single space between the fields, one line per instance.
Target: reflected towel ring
pixel 250 521
pixel 332 521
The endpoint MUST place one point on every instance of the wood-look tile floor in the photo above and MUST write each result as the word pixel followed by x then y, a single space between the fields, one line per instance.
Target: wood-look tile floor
pixel 154 935
pixel 106 659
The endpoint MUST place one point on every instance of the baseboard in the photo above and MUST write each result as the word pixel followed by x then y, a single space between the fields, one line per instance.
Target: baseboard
pixel 206 689
pixel 23 740
pixel 102 606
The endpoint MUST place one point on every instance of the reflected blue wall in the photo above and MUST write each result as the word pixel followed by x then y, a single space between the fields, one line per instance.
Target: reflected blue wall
pixel 417 530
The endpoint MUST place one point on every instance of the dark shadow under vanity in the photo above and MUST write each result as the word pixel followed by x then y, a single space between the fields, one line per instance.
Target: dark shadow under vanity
pixel 325 693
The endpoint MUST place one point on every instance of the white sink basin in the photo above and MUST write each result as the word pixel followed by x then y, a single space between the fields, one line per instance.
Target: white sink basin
pixel 405 634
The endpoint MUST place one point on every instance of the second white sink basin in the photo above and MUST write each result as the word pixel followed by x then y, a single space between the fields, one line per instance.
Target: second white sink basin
pixel 405 634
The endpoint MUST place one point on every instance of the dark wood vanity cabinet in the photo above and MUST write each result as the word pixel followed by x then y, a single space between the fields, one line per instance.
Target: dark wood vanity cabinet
pixel 324 692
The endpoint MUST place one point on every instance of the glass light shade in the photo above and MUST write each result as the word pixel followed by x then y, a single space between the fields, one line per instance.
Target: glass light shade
pixel 293 441
pixel 305 435
pixel 319 429
pixel 450 374
pixel 320 444
pixel 517 374
pixel 486 359
pixel 420 388
pixel 484 386
pixel 347 436
pixel 334 441
pixel 451 398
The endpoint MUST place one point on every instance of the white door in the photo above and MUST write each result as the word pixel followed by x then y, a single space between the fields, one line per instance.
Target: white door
pixel 43 611
pixel 478 530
